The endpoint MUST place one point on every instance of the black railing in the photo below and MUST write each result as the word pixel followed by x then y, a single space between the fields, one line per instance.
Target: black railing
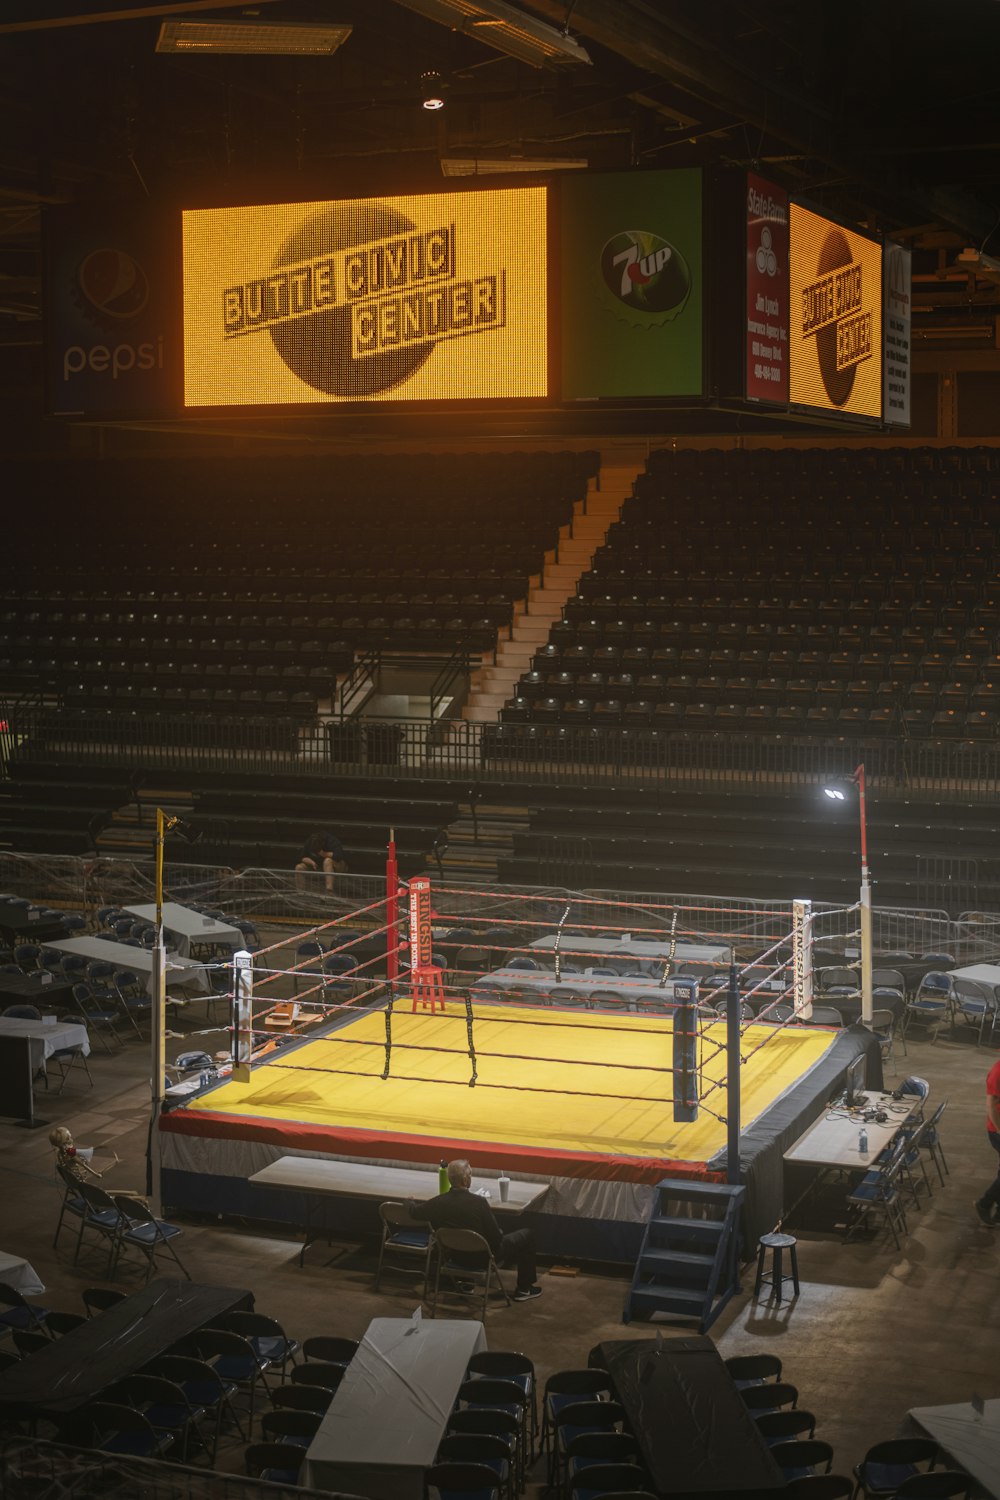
pixel 452 750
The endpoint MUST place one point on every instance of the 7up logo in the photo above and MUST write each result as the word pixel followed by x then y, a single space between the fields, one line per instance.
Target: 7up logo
pixel 645 272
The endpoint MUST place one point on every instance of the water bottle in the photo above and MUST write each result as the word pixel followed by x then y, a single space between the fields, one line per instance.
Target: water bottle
pixel 863 1142
pixel 444 1185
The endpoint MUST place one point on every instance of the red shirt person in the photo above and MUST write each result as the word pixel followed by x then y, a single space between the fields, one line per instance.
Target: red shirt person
pixel 988 1206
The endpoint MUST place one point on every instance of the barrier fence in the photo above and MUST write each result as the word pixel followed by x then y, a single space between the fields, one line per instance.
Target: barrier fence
pixel 267 896
pixel 452 749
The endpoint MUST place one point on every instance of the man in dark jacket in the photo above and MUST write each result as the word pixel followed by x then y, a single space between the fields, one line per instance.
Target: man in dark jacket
pixel 460 1208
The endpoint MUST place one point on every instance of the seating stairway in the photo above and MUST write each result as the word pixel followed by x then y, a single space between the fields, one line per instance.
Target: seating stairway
pixel 688 1264
pixel 477 845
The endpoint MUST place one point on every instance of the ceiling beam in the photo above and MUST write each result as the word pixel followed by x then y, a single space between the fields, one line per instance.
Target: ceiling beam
pixel 81 17
pixel 641 31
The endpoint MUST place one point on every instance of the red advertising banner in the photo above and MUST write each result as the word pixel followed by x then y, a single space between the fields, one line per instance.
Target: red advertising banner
pixel 421 944
pixel 767 291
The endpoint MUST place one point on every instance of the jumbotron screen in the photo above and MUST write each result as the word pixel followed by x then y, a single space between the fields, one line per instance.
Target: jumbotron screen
pixel 835 357
pixel 440 297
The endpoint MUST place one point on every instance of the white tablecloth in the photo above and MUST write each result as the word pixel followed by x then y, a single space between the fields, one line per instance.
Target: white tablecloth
pixel 388 1416
pixel 635 988
pixel 186 927
pixel 648 955
pixel 16 1272
pixel 139 960
pixel 970 1439
pixel 46 1038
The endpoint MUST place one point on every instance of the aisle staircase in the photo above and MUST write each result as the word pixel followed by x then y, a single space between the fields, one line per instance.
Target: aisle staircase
pixel 131 831
pixel 493 684
pixel 477 845
pixel 688 1266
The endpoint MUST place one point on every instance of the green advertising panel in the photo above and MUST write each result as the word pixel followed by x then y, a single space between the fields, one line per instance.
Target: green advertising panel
pixel 631 285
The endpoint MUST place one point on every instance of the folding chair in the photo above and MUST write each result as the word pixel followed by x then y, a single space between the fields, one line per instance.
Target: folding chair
pixel 467 1243
pixel 141 1230
pixel 406 1237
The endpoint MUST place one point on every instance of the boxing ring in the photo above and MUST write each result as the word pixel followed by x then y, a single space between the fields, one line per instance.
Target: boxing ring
pixel 414 1067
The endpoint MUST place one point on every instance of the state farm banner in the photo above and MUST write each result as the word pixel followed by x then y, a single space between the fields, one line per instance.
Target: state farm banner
pixel 434 297
pixel 897 299
pixel 631 284
pixel 111 311
pixel 766 371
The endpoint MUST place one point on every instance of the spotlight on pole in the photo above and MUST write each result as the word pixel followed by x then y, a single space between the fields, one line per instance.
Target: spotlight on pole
pixel 839 791
pixel 432 90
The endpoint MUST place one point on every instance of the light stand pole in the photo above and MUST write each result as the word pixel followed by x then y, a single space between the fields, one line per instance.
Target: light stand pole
pixel 865 905
pixel 837 793
pixel 158 1020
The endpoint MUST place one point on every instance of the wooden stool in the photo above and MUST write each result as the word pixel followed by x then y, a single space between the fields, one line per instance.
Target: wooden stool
pixel 777 1244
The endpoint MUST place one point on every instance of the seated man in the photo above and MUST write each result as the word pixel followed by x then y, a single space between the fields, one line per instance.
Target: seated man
pixel 321 851
pixel 462 1209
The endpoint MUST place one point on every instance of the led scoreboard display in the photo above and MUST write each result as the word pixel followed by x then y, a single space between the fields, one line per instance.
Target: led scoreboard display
pixel 835 331
pixel 440 297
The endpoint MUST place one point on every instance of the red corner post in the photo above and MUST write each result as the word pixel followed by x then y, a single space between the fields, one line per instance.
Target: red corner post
pixel 391 911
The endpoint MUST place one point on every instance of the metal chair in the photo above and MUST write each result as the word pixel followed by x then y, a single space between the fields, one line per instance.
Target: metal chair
pixel 753 1369
pixel 800 1457
pixel 825 1015
pixel 100 1012
pixel 297 1427
pixel 141 1230
pixel 932 1003
pixel 204 1388
pixel 120 1429
pixel 497 1364
pixel 479 1448
pixel 931 1141
pixel 407 1237
pixel 101 1218
pixel 168 1409
pixel 975 1003
pixel 884 1028
pixel 277 1463
pixel 272 1346
pixel 330 1349
pixel 466 1480
pixel 878 1192
pixel 779 1426
pixel 467 1243
pixel 100 1298
pixel 325 1374
pixel 889 1464
pixel 770 1396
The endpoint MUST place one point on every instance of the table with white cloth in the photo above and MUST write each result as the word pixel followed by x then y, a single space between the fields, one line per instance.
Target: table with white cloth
pixel 320 1179
pixel 833 1140
pixel 46 1037
pixel 970 1438
pixel 637 989
pixel 186 927
pixel 648 956
pixel 383 1426
pixel 139 960
pixel 16 1272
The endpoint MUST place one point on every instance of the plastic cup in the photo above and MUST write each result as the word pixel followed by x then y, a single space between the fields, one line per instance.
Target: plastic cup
pixel 503 1184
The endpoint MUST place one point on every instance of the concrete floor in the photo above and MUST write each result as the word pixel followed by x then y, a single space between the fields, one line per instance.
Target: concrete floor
pixel 874 1332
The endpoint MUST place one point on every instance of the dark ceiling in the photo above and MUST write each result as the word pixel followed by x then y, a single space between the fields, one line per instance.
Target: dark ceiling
pixel 883 114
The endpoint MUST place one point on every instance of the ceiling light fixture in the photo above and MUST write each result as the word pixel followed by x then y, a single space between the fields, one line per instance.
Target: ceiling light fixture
pixel 483 166
pixel 432 90
pixel 504 27
pixel 264 38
